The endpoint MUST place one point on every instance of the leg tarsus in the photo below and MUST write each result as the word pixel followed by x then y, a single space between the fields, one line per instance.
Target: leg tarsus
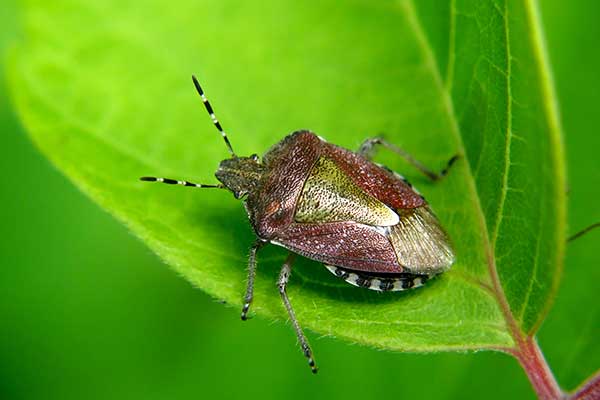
pixel 583 231
pixel 449 164
pixel 284 276
pixel 251 274
pixel 367 147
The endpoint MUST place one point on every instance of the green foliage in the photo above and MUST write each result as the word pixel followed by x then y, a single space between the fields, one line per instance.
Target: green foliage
pixel 509 122
pixel 112 102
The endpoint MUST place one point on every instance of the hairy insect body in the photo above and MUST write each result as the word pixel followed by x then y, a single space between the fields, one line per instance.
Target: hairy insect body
pixel 363 221
pixel 334 206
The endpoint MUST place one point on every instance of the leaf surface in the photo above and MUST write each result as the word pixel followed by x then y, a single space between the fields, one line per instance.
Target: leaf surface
pixel 113 102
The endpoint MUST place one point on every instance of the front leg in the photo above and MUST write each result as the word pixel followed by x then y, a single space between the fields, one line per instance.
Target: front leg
pixel 251 275
pixel 367 148
pixel 284 276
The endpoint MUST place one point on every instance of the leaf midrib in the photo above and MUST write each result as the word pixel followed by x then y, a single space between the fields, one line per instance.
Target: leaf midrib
pixel 551 115
pixel 430 61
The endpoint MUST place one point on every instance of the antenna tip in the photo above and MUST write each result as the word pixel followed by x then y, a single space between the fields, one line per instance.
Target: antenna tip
pixel 148 179
pixel 197 85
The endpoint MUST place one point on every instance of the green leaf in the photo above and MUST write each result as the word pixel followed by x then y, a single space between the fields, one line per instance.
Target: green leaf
pixel 508 119
pixel 105 93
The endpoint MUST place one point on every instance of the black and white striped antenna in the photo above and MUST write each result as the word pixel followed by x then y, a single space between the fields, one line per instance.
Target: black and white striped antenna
pixel 218 126
pixel 212 115
pixel 169 181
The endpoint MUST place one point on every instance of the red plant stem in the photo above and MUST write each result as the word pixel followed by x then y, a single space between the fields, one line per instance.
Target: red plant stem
pixel 589 390
pixel 533 362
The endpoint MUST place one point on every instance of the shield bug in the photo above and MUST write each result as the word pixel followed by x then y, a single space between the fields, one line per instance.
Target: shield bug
pixel 363 221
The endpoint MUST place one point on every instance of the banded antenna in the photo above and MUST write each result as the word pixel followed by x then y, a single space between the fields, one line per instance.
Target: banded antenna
pixel 214 119
pixel 218 125
pixel 169 181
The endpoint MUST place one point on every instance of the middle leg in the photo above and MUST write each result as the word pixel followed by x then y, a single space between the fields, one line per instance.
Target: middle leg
pixel 251 275
pixel 367 149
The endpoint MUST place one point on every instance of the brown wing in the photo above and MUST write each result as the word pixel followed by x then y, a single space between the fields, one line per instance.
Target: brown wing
pixel 389 227
pixel 345 244
pixel 420 243
pixel 329 195
pixel 271 208
pixel 379 183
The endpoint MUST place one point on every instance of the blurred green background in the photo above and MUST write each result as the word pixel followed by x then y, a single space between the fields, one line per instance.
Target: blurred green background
pixel 87 311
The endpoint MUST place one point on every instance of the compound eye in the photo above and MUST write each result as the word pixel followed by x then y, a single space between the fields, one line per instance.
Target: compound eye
pixel 254 157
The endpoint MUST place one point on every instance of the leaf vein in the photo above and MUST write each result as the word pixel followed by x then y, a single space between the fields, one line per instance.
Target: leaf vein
pixel 498 291
pixel 508 138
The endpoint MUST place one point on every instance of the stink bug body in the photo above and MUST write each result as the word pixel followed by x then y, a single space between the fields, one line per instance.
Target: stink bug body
pixel 363 221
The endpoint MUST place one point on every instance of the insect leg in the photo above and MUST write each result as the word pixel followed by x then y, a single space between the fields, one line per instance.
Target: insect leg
pixel 367 147
pixel 582 232
pixel 284 275
pixel 251 274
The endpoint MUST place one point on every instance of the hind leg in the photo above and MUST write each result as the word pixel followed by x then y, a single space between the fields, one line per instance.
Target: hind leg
pixel 367 148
